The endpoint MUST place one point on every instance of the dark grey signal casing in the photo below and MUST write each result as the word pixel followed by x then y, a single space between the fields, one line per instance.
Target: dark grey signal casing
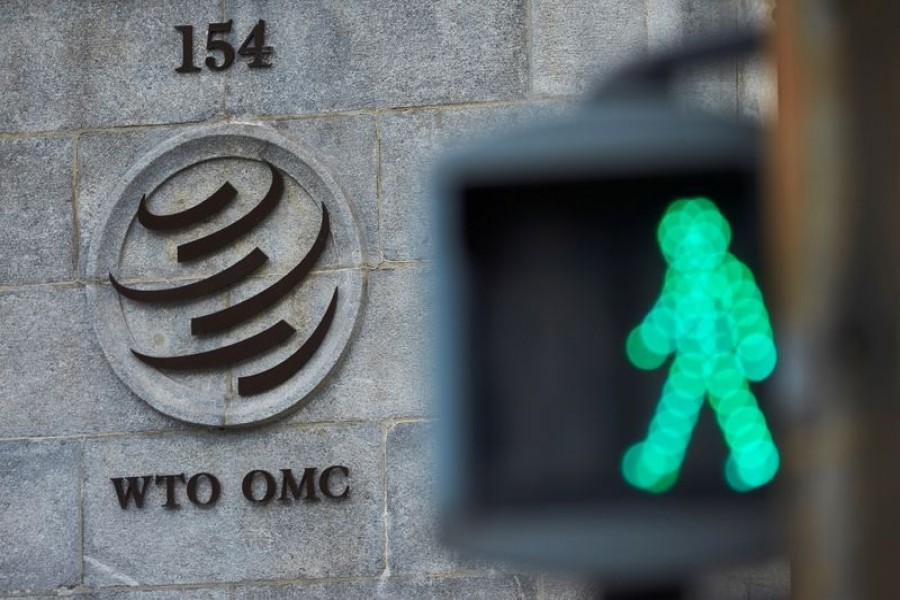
pixel 547 259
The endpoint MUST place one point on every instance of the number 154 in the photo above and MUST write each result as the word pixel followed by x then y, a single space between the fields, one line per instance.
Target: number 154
pixel 254 45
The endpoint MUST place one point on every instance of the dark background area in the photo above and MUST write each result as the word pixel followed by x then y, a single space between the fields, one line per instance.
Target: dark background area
pixel 562 272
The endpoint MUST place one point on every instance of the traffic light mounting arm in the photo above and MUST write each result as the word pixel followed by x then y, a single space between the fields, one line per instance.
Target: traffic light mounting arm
pixel 655 75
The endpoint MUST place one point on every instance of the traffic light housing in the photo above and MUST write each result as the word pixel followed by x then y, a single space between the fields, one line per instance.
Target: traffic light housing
pixel 606 342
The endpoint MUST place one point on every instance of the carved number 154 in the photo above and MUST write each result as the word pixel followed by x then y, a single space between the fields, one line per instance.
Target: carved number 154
pixel 254 45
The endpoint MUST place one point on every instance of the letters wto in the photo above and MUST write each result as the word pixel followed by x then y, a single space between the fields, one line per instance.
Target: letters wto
pixel 258 486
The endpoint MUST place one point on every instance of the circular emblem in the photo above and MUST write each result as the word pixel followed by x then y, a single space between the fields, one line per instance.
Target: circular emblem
pixel 230 276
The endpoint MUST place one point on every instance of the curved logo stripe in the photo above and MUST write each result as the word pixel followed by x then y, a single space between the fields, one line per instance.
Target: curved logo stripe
pixel 228 234
pixel 252 306
pixel 219 200
pixel 221 280
pixel 260 343
pixel 272 378
pixel 226 355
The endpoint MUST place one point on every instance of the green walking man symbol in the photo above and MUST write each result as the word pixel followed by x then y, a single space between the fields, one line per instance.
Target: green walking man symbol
pixel 711 316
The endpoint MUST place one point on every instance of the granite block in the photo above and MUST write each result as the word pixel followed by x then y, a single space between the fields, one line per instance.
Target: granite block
pixel 347 147
pixel 414 545
pixel 475 588
pixel 164 330
pixel 234 539
pixel 765 581
pixel 164 594
pixel 665 23
pixel 723 586
pixel 104 158
pixel 98 64
pixel 39 515
pixel 559 587
pixel 771 581
pixel 35 210
pixel 379 53
pixel 385 372
pixel 303 308
pixel 764 592
pixel 577 42
pixel 56 380
pixel 671 22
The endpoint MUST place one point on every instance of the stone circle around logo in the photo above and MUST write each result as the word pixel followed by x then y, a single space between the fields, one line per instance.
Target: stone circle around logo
pixel 226 278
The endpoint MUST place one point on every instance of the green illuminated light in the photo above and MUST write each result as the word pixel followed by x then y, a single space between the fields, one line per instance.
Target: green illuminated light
pixel 711 315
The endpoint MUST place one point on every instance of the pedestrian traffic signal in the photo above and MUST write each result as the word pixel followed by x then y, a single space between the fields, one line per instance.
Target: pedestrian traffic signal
pixel 711 317
pixel 606 342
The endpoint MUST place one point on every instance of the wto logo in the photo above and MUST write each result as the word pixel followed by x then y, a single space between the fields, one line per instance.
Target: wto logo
pixel 225 319
pixel 226 276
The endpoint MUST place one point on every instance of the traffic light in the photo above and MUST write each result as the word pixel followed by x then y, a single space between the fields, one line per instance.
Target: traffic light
pixel 606 342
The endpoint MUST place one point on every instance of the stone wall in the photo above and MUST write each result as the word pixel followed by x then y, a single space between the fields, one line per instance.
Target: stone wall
pixel 375 90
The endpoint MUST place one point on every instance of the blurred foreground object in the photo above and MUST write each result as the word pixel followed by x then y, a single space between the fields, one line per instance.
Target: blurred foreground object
pixel 605 337
pixel 838 217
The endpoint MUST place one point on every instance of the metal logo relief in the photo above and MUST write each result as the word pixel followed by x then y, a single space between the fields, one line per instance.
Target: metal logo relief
pixel 227 318
pixel 230 276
